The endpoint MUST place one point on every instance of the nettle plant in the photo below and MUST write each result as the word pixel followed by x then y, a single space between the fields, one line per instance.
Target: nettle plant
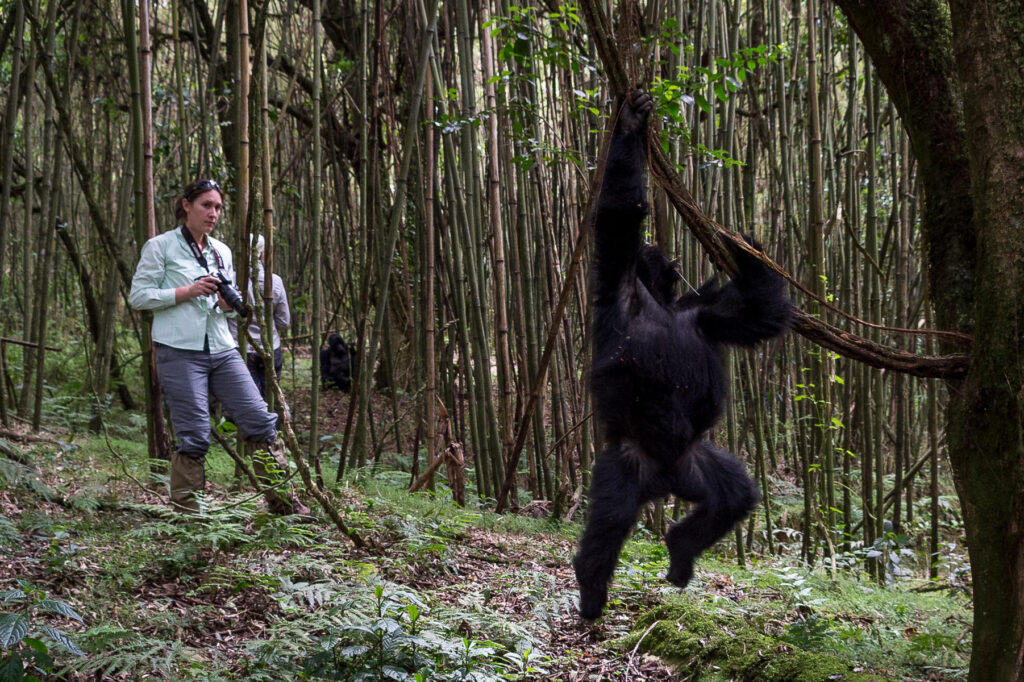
pixel 27 639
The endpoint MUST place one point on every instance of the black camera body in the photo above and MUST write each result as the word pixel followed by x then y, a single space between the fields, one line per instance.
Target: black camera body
pixel 229 293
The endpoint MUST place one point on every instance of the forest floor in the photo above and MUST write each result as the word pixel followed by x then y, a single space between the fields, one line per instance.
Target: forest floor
pixel 451 593
pixel 216 609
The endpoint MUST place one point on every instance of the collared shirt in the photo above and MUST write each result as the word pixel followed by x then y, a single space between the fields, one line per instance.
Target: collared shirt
pixel 167 263
pixel 282 314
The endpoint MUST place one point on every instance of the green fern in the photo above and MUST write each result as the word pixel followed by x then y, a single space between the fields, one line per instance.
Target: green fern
pixel 236 580
pixel 115 651
pixel 18 474
pixel 88 499
pixel 216 532
pixel 158 511
pixel 277 532
pixel 9 536
pixel 303 596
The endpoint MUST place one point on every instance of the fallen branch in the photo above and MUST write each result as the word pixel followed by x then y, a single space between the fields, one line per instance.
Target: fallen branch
pixel 452 457
pixel 323 497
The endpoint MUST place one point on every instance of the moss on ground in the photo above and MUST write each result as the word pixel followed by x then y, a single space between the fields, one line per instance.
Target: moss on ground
pixel 701 646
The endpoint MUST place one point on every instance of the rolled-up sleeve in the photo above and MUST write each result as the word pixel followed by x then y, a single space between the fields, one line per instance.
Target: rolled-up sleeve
pixel 147 291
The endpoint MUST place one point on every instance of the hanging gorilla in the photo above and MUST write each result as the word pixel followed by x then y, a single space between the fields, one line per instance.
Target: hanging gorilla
pixel 657 376
pixel 336 364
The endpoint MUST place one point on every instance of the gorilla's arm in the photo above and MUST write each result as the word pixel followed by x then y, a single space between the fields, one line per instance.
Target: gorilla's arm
pixel 621 206
pixel 751 308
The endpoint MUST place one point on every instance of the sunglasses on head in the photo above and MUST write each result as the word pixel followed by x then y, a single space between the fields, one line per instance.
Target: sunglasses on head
pixel 202 186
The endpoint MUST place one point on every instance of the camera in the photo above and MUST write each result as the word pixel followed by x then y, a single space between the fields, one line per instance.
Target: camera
pixel 228 292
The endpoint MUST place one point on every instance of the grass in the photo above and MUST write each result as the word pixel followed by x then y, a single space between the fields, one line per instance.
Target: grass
pixel 443 593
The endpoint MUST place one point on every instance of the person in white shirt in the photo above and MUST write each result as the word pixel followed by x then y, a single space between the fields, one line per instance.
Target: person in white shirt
pixel 281 313
pixel 179 277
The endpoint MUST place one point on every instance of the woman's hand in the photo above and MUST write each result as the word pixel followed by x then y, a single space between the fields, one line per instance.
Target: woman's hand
pixel 204 286
pixel 222 304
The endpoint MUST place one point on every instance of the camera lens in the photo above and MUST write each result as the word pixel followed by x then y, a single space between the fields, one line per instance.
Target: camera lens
pixel 231 296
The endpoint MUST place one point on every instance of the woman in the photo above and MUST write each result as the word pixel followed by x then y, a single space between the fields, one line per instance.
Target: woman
pixel 177 278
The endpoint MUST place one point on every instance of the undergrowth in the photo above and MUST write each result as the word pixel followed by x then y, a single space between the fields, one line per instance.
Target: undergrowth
pixel 444 593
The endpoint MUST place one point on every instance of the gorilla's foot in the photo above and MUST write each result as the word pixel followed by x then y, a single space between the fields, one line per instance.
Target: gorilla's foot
pixel 680 571
pixel 592 601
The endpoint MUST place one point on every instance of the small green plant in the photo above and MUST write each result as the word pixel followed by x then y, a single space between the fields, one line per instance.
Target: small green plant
pixel 9 536
pixel 794 583
pixel 392 642
pixel 26 637
pixel 890 549
pixel 954 568
pixel 528 662
pixel 810 633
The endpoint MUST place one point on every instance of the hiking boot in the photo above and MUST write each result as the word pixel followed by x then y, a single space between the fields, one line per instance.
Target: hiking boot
pixel 301 512
pixel 188 478
pixel 290 506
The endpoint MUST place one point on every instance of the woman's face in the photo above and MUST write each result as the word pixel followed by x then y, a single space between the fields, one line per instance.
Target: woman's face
pixel 202 213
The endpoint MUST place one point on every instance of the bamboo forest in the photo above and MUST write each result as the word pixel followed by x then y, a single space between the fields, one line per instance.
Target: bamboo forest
pixel 304 340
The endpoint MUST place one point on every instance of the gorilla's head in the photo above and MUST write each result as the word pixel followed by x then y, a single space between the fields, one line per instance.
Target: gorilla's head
pixel 659 274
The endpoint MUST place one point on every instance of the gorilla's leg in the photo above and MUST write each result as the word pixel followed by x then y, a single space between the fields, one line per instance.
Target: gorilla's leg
pixel 614 504
pixel 723 492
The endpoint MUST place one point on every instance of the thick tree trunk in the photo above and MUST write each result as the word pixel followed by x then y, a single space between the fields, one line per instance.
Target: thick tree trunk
pixel 985 450
pixel 972 163
pixel 986 431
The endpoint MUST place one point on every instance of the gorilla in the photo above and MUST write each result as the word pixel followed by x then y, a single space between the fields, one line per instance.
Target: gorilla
pixel 657 378
pixel 336 362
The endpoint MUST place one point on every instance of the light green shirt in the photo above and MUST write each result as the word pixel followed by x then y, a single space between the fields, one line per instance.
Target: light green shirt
pixel 167 263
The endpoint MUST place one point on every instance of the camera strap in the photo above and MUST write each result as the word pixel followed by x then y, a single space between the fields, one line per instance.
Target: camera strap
pixel 198 253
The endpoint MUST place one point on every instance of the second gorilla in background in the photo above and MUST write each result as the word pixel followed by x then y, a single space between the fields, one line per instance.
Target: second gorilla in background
pixel 336 362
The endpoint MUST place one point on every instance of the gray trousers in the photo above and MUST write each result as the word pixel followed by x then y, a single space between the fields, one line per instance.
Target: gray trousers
pixel 188 379
pixel 259 372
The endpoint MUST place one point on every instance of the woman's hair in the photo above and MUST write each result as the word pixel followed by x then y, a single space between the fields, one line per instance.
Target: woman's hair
pixel 191 191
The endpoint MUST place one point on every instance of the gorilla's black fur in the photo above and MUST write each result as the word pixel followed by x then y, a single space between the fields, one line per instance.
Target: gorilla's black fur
pixel 657 376
pixel 336 364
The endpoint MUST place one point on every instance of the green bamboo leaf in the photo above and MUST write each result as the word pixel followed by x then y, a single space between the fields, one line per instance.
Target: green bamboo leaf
pixel 37 644
pixel 394 673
